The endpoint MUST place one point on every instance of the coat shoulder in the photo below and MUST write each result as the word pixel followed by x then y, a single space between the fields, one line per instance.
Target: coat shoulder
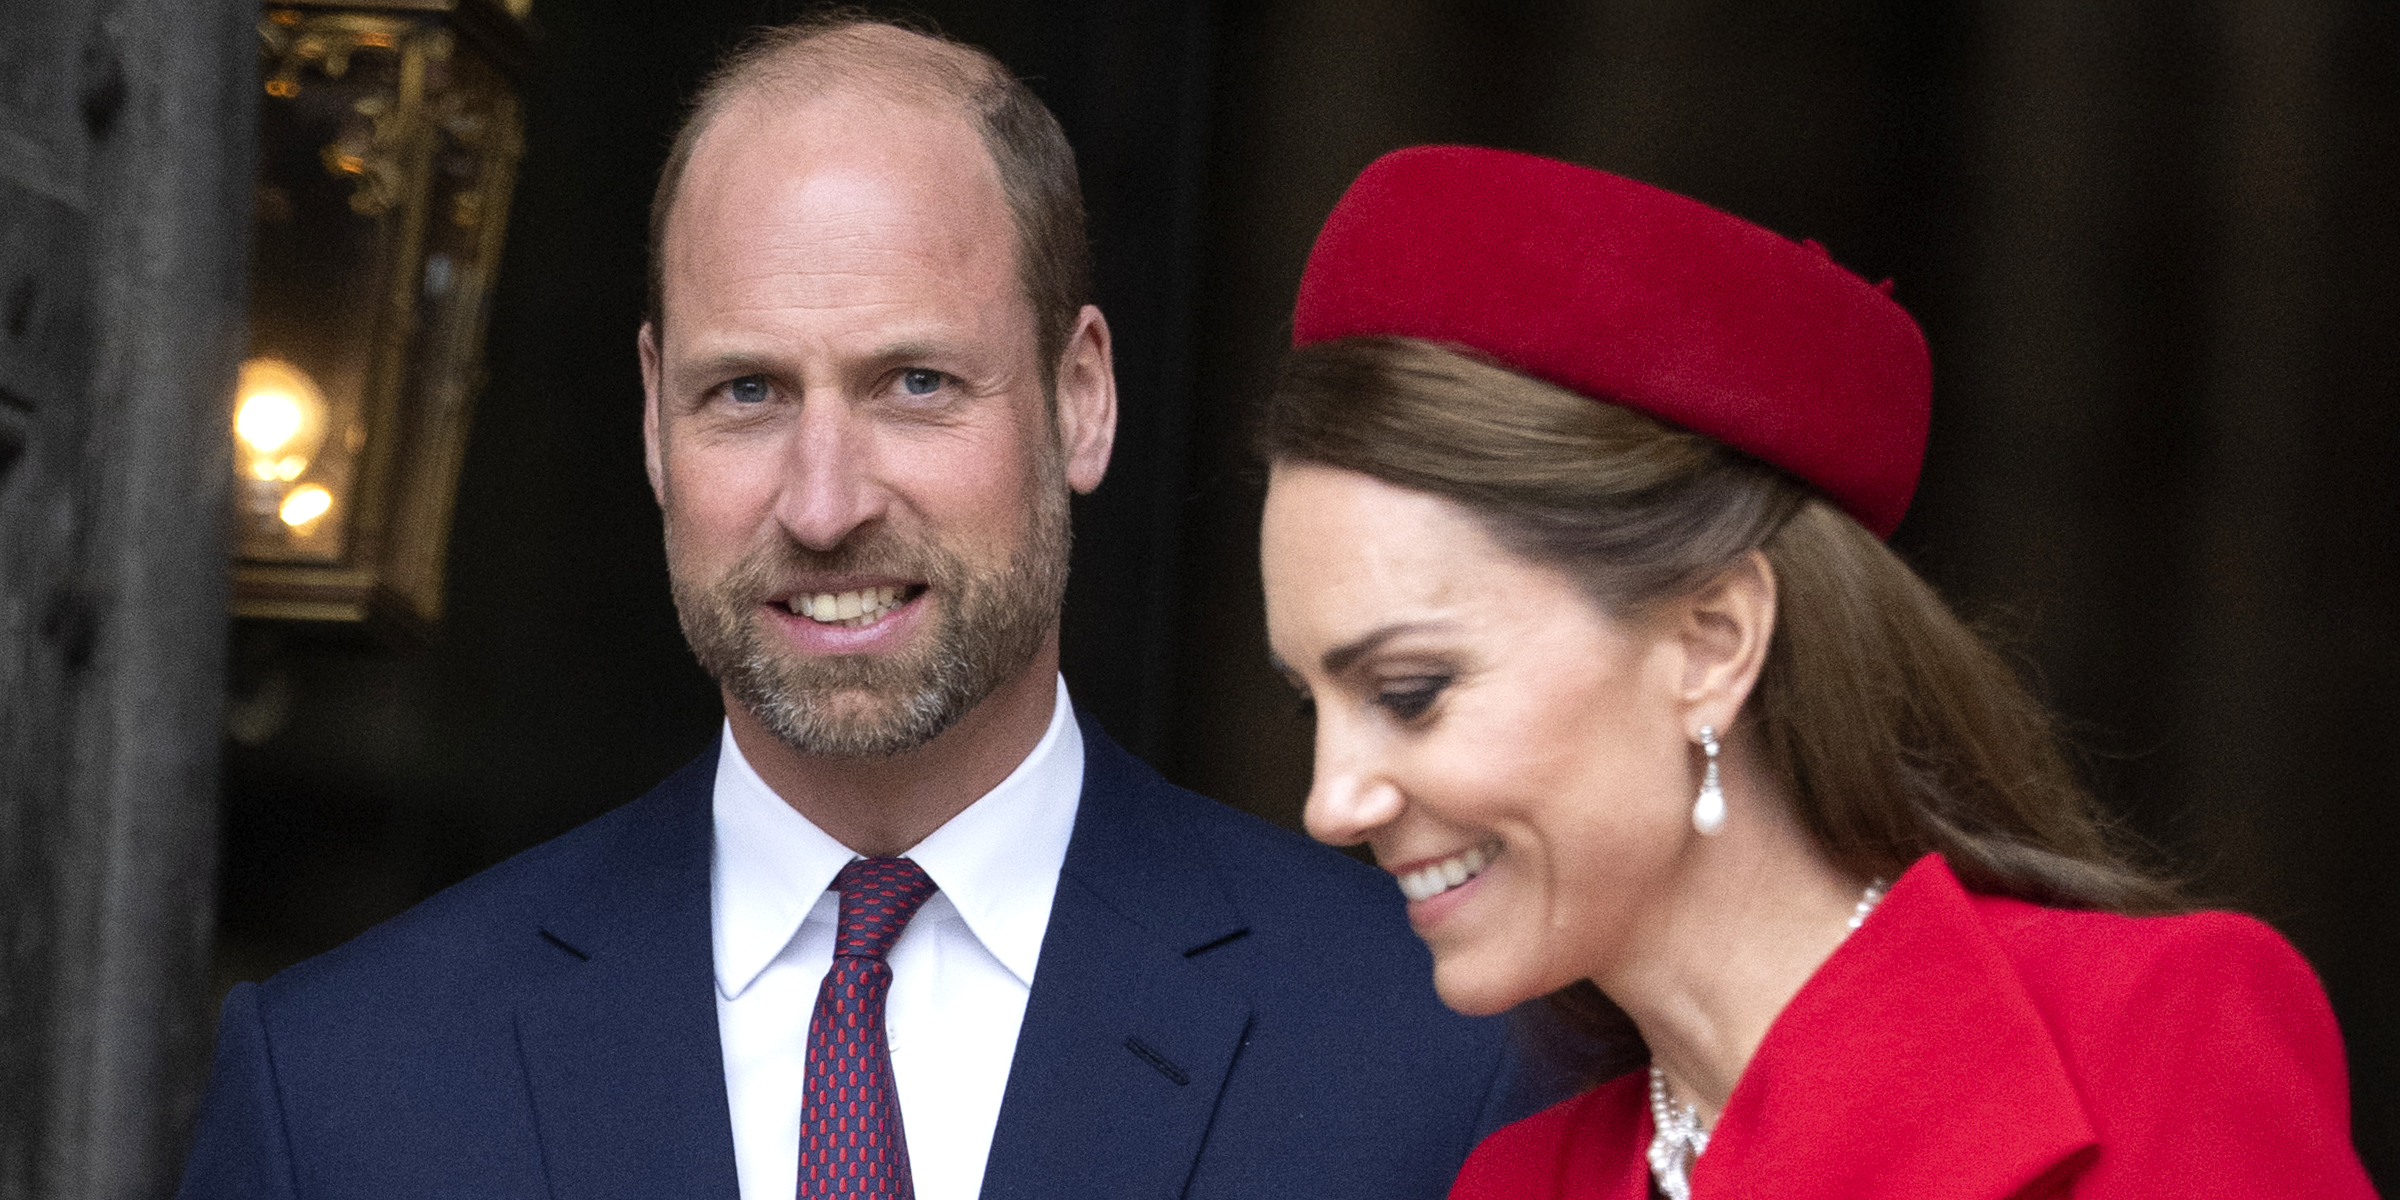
pixel 335 1076
pixel 1284 884
pixel 2109 967
pixel 1253 852
pixel 2202 1046
pixel 471 943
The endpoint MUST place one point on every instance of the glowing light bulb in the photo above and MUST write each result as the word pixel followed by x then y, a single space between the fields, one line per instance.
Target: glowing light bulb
pixel 278 420
pixel 304 505
pixel 268 420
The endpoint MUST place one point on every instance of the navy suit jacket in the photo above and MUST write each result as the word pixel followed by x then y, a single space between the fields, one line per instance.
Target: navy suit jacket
pixel 1222 1009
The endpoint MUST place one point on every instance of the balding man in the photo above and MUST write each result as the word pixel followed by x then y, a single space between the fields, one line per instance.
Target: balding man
pixel 912 928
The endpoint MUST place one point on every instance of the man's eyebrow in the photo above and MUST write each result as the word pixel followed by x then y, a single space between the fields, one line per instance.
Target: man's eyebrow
pixel 727 365
pixel 1342 657
pixel 731 364
pixel 913 348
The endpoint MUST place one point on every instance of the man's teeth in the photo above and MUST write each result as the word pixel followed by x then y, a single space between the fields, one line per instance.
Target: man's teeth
pixel 1432 880
pixel 853 609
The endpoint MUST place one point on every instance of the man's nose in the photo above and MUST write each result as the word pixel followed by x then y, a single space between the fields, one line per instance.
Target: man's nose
pixel 1348 801
pixel 830 486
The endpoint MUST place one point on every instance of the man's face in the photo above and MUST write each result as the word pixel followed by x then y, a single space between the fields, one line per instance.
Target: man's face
pixel 863 479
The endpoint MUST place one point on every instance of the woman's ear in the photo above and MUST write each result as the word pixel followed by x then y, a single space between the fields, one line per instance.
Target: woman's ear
pixel 1724 629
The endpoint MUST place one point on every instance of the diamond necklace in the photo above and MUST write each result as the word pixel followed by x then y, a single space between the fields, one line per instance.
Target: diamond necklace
pixel 1678 1139
pixel 1676 1142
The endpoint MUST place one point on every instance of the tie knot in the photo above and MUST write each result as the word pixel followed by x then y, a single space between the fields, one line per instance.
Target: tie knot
pixel 879 895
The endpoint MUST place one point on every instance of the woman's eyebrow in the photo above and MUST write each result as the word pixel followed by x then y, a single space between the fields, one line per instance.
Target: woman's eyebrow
pixel 1342 657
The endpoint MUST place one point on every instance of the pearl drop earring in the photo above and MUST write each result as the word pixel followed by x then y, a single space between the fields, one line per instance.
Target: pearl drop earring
pixel 1708 812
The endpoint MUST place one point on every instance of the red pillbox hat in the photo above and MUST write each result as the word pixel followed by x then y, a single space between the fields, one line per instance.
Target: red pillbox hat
pixel 1628 293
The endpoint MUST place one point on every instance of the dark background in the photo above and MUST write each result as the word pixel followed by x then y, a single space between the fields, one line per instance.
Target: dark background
pixel 2153 245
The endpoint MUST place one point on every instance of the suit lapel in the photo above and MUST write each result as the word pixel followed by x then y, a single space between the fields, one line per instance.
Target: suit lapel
pixel 1127 1040
pixel 620 1049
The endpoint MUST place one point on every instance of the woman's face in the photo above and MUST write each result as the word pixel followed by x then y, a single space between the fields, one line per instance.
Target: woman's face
pixel 1514 755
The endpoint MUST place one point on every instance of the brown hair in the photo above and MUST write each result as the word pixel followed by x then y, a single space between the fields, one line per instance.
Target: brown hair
pixel 1893 728
pixel 850 46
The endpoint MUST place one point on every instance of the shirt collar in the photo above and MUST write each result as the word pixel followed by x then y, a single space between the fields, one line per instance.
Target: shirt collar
pixel 997 861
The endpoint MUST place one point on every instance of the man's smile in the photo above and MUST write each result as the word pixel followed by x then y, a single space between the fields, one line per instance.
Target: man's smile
pixel 855 608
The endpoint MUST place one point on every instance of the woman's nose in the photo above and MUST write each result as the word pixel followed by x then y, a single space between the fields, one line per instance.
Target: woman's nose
pixel 1347 805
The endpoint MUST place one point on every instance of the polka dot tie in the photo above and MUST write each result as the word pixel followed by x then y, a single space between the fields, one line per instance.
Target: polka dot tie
pixel 851 1142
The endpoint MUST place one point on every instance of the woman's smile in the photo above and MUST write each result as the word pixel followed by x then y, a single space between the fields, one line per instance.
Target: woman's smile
pixel 1425 880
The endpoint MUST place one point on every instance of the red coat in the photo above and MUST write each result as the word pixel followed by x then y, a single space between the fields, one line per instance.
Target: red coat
pixel 1978 1047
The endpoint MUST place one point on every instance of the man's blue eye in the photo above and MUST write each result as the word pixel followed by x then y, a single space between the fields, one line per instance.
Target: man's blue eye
pixel 920 382
pixel 747 390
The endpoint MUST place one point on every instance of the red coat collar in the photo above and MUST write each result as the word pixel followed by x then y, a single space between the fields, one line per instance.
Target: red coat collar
pixel 1911 1064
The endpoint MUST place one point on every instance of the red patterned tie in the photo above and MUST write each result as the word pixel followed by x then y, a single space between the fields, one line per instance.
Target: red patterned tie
pixel 851 1142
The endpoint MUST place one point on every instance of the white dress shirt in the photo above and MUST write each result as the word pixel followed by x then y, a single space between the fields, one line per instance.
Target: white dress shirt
pixel 960 971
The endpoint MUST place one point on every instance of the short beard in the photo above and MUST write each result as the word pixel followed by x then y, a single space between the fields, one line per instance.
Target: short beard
pixel 988 627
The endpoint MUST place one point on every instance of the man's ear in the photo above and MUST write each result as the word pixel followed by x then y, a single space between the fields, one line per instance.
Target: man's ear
pixel 1087 401
pixel 646 342
pixel 1724 630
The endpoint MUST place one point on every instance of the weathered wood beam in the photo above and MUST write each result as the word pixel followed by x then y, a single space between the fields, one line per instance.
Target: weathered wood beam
pixel 125 157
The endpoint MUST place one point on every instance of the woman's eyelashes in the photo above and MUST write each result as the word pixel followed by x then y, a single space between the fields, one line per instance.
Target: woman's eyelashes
pixel 1410 697
pixel 1405 698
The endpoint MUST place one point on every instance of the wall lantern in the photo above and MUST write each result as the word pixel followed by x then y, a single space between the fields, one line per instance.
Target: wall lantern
pixel 388 142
